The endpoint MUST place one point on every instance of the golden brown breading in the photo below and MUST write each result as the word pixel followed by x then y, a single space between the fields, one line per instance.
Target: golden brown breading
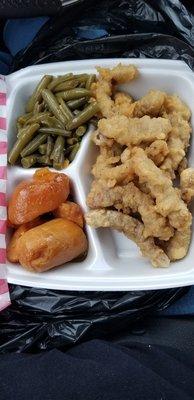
pixel 173 103
pixel 183 165
pixel 178 245
pixel 178 141
pixel 168 201
pixel 129 196
pixel 157 151
pixel 133 131
pixel 187 184
pixel 123 104
pixel 133 229
pixel 119 74
pixel 150 104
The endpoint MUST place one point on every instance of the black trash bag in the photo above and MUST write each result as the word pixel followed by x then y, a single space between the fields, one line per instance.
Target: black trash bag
pixel 115 28
pixel 41 319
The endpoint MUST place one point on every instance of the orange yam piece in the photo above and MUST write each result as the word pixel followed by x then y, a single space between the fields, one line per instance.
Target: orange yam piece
pixel 51 244
pixel 12 248
pixel 42 194
pixel 71 211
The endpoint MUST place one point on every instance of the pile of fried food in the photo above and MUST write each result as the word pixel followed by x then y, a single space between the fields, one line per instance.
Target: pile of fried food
pixel 143 146
pixel 48 228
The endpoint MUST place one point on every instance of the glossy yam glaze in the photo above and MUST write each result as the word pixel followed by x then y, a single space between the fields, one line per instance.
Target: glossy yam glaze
pixel 51 244
pixel 42 194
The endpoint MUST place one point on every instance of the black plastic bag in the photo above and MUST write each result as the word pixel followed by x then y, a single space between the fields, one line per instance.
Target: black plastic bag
pixel 115 28
pixel 41 319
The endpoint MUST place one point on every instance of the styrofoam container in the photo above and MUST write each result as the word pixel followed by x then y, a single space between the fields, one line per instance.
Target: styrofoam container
pixel 113 261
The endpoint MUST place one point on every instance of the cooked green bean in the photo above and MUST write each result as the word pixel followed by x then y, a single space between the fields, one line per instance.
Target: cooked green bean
pixel 21 142
pixel 52 122
pixel 56 131
pixel 81 130
pixel 58 80
pixel 65 109
pixel 43 149
pixel 50 145
pixel 38 118
pixel 24 118
pixel 36 109
pixel 82 85
pixel 45 160
pixel 34 144
pixel 58 148
pixel 37 95
pixel 82 77
pixel 74 104
pixel 76 112
pixel 73 94
pixel 29 161
pixel 74 152
pixel 71 141
pixel 90 80
pixel 52 104
pixel 60 163
pixel 19 126
pixel 71 84
pixel 84 116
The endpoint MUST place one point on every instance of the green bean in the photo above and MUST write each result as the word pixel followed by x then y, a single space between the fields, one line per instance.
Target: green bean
pixel 36 109
pixel 19 126
pixel 76 112
pixel 84 116
pixel 71 84
pixel 58 80
pixel 34 145
pixel 52 104
pixel 90 80
pixel 73 94
pixel 44 160
pixel 60 163
pixel 82 85
pixel 42 149
pixel 49 145
pixel 58 148
pixel 56 131
pixel 52 122
pixel 21 142
pixel 37 118
pixel 29 161
pixel 65 109
pixel 81 130
pixel 71 141
pixel 74 152
pixel 24 118
pixel 74 104
pixel 82 77
pixel 68 149
pixel 37 94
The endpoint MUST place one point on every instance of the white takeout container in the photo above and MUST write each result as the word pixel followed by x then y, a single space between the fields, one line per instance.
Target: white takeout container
pixel 113 261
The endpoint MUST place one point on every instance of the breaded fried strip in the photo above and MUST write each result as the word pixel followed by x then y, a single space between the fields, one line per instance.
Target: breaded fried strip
pixel 173 103
pixel 133 229
pixel 168 201
pixel 178 141
pixel 178 245
pixel 123 104
pixel 102 90
pixel 187 184
pixel 122 197
pixel 133 131
pixel 150 104
pixel 119 74
pixel 104 169
pixel 157 151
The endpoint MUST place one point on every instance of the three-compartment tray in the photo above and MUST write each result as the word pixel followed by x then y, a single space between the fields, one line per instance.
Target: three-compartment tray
pixel 113 261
